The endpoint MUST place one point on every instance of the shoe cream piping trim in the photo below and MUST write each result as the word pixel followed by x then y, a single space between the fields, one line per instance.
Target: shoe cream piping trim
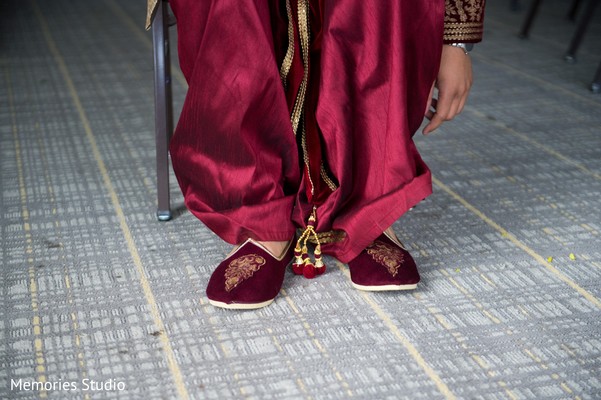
pixel 259 245
pixel 395 240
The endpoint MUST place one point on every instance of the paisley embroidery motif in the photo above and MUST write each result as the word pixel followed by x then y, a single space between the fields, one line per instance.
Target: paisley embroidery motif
pixel 387 255
pixel 241 269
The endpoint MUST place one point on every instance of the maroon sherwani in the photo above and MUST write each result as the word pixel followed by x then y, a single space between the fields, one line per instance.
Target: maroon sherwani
pixel 308 104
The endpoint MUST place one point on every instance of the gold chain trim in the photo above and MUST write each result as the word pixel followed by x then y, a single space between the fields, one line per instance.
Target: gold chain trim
pixel 303 25
pixel 297 111
pixel 306 156
pixel 287 63
pixel 327 179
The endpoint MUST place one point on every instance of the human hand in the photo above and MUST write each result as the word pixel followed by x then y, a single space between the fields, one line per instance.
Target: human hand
pixel 453 82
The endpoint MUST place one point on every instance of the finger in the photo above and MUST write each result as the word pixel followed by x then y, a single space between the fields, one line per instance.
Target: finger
pixel 463 102
pixel 437 117
pixel 461 105
pixel 444 104
pixel 429 103
pixel 457 105
pixel 431 109
pixel 454 109
pixel 444 109
pixel 434 123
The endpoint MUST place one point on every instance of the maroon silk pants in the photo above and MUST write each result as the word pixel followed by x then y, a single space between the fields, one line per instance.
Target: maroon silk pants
pixel 235 153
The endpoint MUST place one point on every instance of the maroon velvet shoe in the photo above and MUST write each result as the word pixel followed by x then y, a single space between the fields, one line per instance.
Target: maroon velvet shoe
pixel 384 265
pixel 250 277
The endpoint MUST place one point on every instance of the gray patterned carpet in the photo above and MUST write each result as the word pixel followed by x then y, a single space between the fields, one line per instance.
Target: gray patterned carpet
pixel 93 288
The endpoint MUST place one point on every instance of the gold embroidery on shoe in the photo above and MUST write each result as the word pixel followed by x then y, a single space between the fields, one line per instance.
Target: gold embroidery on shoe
pixel 387 255
pixel 241 269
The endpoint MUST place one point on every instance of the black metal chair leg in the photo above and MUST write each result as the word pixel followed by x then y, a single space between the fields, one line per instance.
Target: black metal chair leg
pixel 574 10
pixel 163 107
pixel 580 29
pixel 596 85
pixel 529 19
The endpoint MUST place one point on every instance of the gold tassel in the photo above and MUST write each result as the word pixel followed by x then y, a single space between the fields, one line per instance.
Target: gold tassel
pixel 303 265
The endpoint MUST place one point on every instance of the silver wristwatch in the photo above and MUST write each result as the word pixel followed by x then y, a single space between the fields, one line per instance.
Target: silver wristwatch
pixel 466 47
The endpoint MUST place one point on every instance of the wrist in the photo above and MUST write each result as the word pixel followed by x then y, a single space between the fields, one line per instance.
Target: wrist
pixel 466 47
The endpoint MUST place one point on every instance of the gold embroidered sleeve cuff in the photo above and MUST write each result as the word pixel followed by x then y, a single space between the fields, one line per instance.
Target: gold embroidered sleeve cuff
pixel 463 21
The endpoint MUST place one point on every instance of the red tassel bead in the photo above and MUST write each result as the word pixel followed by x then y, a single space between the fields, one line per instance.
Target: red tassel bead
pixel 297 268
pixel 309 271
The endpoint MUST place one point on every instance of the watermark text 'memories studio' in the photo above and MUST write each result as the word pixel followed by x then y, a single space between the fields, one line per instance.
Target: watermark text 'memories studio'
pixel 85 385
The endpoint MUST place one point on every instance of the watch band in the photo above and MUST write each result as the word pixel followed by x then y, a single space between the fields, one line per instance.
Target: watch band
pixel 466 47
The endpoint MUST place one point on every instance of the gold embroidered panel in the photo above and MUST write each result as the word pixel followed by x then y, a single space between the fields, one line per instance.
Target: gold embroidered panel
pixel 241 269
pixel 463 21
pixel 329 237
pixel 387 255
